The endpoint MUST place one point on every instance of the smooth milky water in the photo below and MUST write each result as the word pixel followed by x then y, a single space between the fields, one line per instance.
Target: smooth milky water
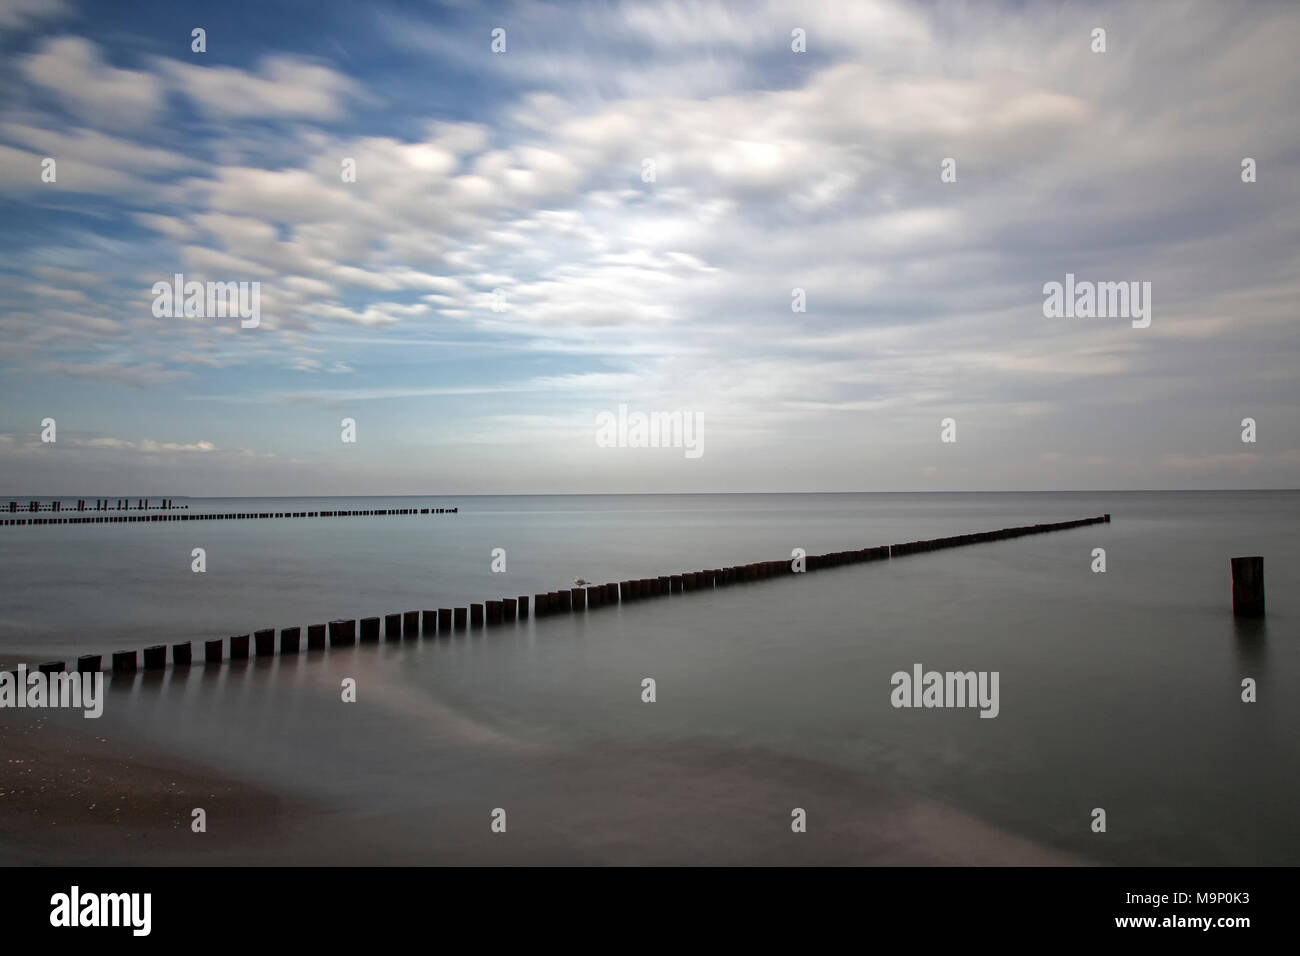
pixel 1119 690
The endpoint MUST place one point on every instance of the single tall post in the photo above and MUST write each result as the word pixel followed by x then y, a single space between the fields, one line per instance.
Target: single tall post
pixel 1248 587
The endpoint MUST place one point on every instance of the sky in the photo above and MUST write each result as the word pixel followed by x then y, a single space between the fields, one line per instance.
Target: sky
pixel 615 207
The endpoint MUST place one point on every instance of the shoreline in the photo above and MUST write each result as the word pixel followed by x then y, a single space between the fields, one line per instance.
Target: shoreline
pixel 72 798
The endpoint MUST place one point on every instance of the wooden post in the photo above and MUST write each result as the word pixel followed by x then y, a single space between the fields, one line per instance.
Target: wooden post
pixel 462 615
pixel 212 651
pixel 369 630
pixel 444 620
pixel 239 647
pixel 676 581
pixel 56 667
pixel 1248 587
pixel 393 627
pixel 411 624
pixel 541 604
pixel 493 609
pixel 124 662
pixel 88 663
pixel 155 657
pixel 264 642
pixel 343 633
pixel 429 623
pixel 476 615
pixel 509 608
pixel 289 637
pixel 315 637
pixel 579 598
pixel 523 606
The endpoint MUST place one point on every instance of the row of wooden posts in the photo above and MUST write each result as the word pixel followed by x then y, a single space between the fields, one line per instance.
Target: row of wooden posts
pixel 101 504
pixel 411 624
pixel 197 516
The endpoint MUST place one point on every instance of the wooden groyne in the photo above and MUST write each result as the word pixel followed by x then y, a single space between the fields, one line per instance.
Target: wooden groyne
pixel 101 504
pixel 76 516
pixel 409 625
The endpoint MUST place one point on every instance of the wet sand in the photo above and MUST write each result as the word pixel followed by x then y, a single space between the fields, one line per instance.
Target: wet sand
pixel 72 797
pixel 76 798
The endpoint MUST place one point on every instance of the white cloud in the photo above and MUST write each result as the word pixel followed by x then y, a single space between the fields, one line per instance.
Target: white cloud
pixel 135 376
pixel 285 87
pixel 17 15
pixel 73 69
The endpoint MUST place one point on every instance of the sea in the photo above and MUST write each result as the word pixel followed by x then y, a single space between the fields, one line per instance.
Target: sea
pixel 1119 690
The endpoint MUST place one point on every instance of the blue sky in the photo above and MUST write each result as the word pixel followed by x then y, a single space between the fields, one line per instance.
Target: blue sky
pixel 522 171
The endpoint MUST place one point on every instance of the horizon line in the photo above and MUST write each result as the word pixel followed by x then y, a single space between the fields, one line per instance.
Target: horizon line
pixel 619 494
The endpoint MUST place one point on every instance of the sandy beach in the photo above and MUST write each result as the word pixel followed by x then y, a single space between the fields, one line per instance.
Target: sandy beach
pixel 72 797
pixel 76 798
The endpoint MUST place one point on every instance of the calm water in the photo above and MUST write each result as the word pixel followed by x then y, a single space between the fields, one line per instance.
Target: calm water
pixel 1118 690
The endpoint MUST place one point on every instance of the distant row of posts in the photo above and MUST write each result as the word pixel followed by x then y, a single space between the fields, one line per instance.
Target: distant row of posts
pixel 101 504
